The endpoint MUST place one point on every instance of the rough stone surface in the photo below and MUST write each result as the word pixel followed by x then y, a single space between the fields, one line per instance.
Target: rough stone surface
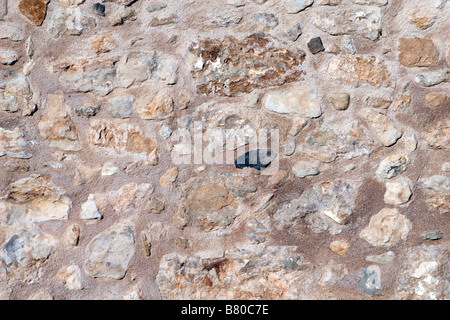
pixel 34 10
pixel 386 228
pixel 298 101
pixel 357 70
pixel 108 254
pixel 127 130
pixel 417 52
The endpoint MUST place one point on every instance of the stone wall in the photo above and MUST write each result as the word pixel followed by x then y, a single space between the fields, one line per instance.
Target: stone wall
pixel 94 95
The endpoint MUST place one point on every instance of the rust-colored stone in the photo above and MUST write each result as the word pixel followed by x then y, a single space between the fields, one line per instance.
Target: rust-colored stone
pixel 34 10
pixel 417 52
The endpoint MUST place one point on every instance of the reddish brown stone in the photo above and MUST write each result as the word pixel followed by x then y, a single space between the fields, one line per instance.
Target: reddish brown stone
pixel 34 10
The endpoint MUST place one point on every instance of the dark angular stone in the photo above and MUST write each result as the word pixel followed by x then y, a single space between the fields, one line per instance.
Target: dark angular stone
pixel 99 9
pixel 315 45
pixel 258 159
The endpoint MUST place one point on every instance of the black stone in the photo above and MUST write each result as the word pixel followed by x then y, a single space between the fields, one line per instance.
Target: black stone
pixel 258 159
pixel 99 9
pixel 315 45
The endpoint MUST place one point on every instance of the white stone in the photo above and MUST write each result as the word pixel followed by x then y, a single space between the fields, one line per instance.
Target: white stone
pixel 8 56
pixel 89 209
pixel 294 6
pixel 304 169
pixel 302 102
pixel 70 276
pixel 397 193
pixel 386 228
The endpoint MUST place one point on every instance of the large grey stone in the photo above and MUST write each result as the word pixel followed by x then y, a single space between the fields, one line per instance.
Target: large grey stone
pixel 109 253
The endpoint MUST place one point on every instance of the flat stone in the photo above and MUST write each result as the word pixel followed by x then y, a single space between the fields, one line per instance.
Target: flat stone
pixel 386 228
pixel 109 169
pixel 289 148
pixel 123 138
pixel 384 128
pixel 435 99
pixel 28 247
pixel 340 101
pixel 357 70
pixel 433 78
pixel 422 276
pixel 417 52
pixel 34 10
pixel 13 144
pixel 207 203
pixel 227 19
pixel 437 189
pixel 365 22
pixel 160 108
pixel 221 274
pixel 39 199
pixel 70 276
pixel 304 169
pixel 315 45
pixel 299 101
pixel 333 272
pixel 109 253
pixel 13 31
pixel 8 56
pixel 169 177
pixel 265 22
pixel 121 107
pixel 156 22
pixel 156 7
pixel 392 166
pixel 87 111
pixel 384 258
pixel 236 3
pixel 232 67
pixel 103 43
pixel 69 22
pixel 397 193
pixel 155 206
pixel 432 235
pixel 439 138
pixel 339 247
pixel 97 75
pixel 294 6
pixel 121 15
pixel 370 281
pixel 57 127
pixel 294 32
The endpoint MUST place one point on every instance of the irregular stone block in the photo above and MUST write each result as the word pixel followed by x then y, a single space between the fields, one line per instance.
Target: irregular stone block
pixel 231 67
pixel 109 253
